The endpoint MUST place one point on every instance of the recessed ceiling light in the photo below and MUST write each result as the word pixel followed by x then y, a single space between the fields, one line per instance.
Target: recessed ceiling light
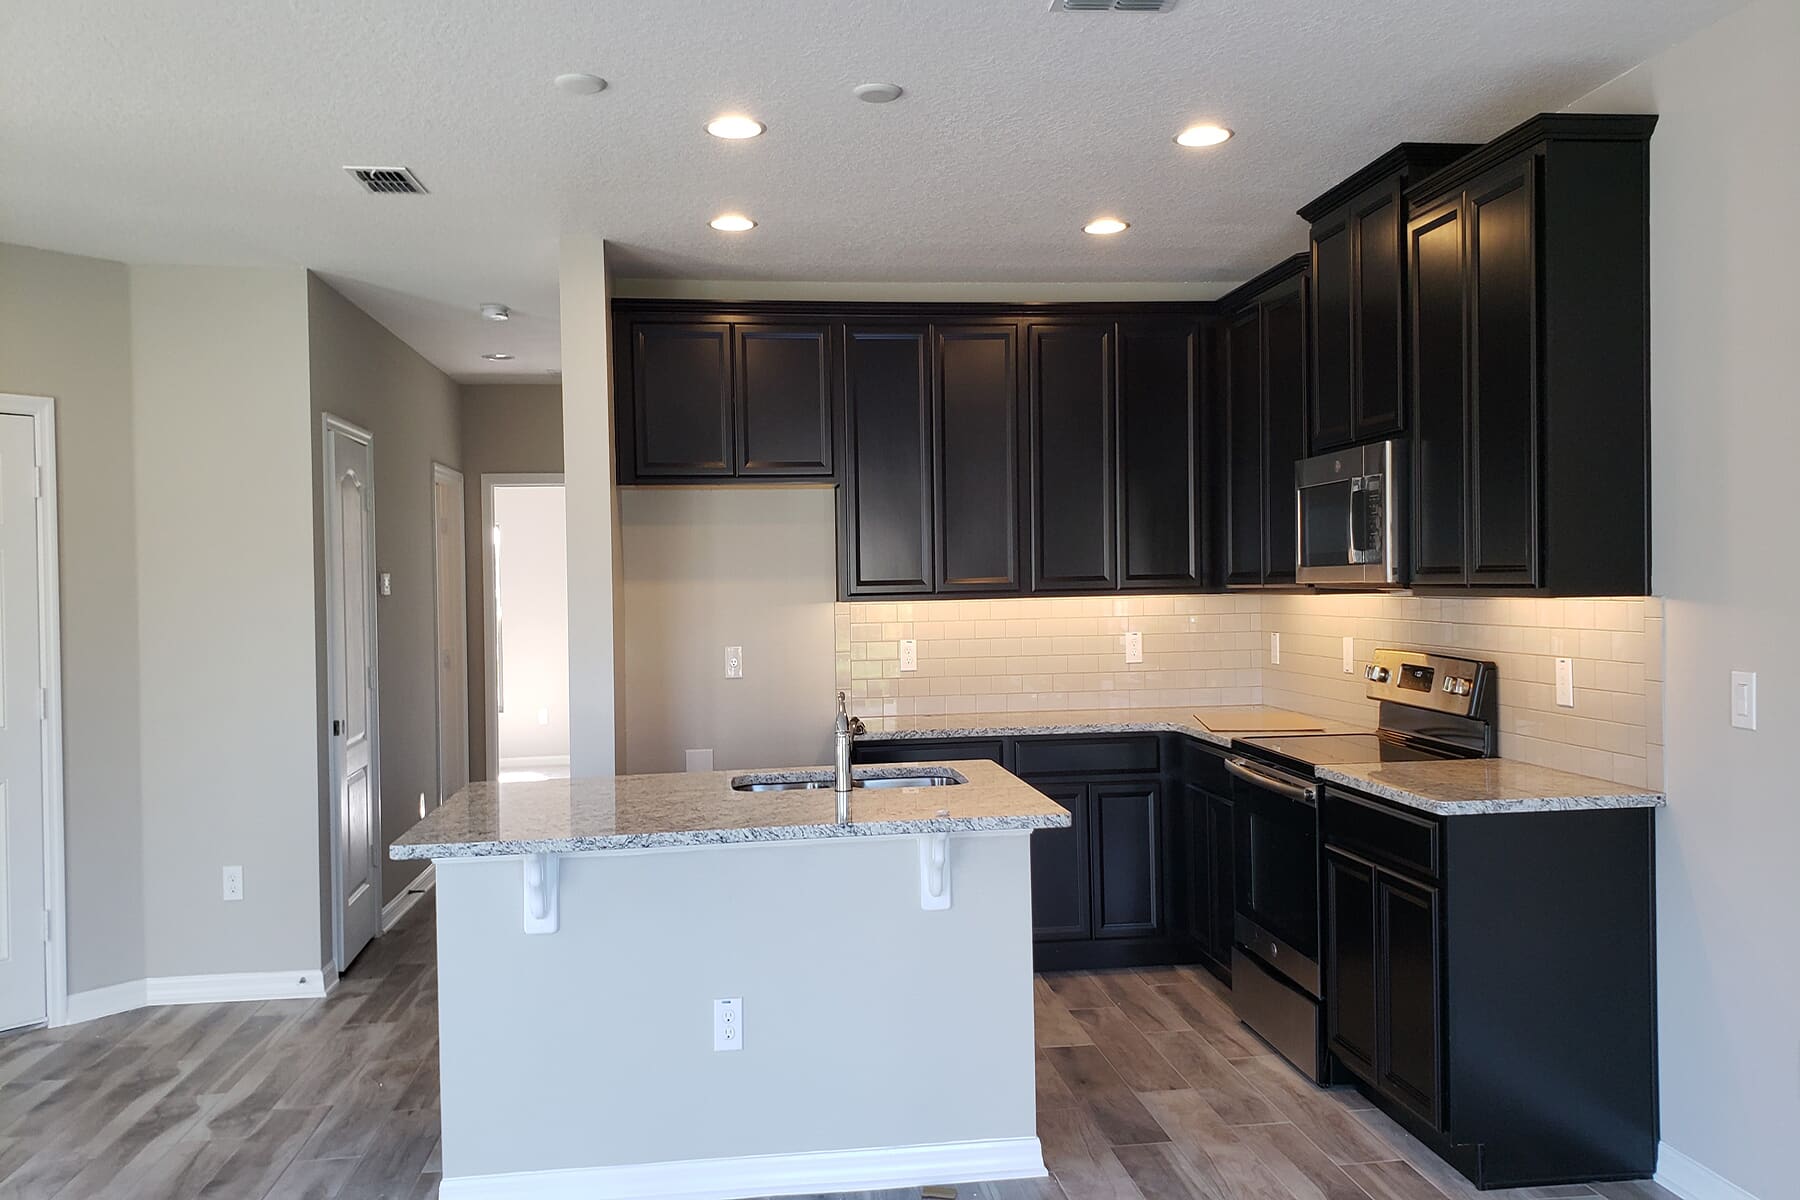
pixel 732 223
pixel 734 128
pixel 1103 226
pixel 877 93
pixel 498 357
pixel 496 312
pixel 578 84
pixel 1203 135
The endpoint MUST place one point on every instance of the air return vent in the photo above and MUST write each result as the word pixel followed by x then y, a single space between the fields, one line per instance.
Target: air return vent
pixel 388 181
pixel 1144 6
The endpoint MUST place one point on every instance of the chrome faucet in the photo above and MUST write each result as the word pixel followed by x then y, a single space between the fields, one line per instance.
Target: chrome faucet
pixel 845 729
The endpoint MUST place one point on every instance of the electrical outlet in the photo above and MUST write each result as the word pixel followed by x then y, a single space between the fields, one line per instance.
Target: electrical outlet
pixel 734 662
pixel 386 581
pixel 1743 699
pixel 728 1024
pixel 1134 647
pixel 700 760
pixel 234 883
pixel 421 806
pixel 1565 682
pixel 909 654
pixel 1349 656
pixel 1274 649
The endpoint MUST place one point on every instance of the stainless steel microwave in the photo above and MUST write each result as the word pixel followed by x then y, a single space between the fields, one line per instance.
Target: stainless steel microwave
pixel 1349 514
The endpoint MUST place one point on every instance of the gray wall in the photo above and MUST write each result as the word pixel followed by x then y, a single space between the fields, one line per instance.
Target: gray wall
pixel 1724 183
pixel 366 375
pixel 223 477
pixel 65 332
pixel 506 429
pixel 867 1021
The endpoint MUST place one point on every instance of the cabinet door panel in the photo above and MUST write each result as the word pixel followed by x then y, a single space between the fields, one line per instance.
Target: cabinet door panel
pixel 1074 479
pixel 1407 921
pixel 1244 487
pixel 1127 860
pixel 1350 972
pixel 976 397
pixel 1059 869
pixel 1333 335
pixel 887 490
pixel 681 399
pixel 1221 845
pixel 1196 856
pixel 1439 395
pixel 1379 335
pixel 783 400
pixel 1284 422
pixel 1503 460
pixel 1159 452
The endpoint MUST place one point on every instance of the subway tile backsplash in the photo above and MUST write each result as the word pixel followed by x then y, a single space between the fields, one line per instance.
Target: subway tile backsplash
pixel 1069 653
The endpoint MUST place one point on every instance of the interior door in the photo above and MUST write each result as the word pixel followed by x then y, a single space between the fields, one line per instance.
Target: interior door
pixel 351 663
pixel 22 964
pixel 452 631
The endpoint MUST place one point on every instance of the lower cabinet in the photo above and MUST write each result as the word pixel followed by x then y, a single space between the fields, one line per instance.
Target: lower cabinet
pixel 1211 867
pixel 1060 869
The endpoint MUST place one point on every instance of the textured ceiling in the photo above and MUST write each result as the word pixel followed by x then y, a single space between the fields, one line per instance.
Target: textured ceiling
pixel 214 131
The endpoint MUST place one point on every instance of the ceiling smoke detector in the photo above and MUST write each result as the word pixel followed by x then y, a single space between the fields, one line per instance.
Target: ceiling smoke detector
pixel 498 357
pixel 877 93
pixel 496 312
pixel 388 181
pixel 1143 6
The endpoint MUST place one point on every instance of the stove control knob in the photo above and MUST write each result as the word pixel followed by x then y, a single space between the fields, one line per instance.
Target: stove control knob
pixel 1376 674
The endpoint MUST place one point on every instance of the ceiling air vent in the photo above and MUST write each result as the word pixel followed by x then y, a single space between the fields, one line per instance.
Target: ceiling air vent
pixel 388 181
pixel 1145 6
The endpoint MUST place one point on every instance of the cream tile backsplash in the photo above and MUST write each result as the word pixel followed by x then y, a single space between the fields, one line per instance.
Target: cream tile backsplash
pixel 1068 653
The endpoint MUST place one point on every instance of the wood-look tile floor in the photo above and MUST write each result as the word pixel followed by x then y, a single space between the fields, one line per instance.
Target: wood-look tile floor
pixel 1148 1089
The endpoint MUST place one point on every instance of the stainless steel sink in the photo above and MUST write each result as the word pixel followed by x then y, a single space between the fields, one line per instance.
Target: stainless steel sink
pixel 823 783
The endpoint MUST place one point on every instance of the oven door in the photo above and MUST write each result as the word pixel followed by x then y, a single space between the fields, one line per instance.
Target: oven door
pixel 1277 848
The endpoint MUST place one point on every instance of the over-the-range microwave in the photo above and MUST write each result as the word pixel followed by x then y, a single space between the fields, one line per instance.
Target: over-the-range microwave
pixel 1349 514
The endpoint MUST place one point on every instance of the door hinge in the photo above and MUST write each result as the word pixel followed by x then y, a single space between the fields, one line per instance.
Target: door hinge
pixel 46 926
pixel 43 704
pixel 37 483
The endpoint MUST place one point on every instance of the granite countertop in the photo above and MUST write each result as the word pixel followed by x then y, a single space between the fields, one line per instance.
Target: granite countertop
pixel 632 812
pixel 1097 720
pixel 1485 785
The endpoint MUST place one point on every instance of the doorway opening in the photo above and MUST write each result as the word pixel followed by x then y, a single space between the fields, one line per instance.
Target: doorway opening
pixel 526 598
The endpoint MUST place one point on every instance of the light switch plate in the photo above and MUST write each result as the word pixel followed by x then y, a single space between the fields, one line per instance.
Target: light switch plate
pixel 700 760
pixel 728 1024
pixel 1274 649
pixel 1565 682
pixel 1134 647
pixel 909 654
pixel 1743 699
pixel 734 662
pixel 1349 656
pixel 386 581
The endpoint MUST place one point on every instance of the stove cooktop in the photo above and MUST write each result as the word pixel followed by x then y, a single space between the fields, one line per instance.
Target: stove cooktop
pixel 1329 749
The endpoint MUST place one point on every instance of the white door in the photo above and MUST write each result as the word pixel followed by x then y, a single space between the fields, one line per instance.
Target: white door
pixel 22 968
pixel 350 641
pixel 452 631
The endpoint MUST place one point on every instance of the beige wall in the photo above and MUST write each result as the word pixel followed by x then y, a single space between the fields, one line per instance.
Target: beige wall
pixel 65 332
pixel 223 477
pixel 1724 181
pixel 706 568
pixel 506 429
pixel 364 374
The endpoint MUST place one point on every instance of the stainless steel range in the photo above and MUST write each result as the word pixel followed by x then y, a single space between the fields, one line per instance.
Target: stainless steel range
pixel 1432 706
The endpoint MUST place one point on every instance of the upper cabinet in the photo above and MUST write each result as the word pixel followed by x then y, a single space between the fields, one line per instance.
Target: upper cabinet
pixel 885 511
pixel 1528 265
pixel 722 398
pixel 975 421
pixel 1357 311
pixel 1263 374
pixel 1160 542
pixel 1071 418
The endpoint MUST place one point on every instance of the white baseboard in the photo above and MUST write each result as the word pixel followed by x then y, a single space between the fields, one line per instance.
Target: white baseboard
pixel 1693 1180
pixel 305 983
pixel 527 761
pixel 104 1002
pixel 329 974
pixel 394 909
pixel 766 1175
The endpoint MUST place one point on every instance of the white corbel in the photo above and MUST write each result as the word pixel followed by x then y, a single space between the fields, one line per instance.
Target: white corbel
pixel 934 871
pixel 542 911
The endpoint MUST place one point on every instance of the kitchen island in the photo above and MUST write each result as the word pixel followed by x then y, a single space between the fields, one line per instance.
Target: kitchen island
pixel 880 969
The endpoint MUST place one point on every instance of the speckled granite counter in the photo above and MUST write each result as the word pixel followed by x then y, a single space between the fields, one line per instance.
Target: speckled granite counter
pixel 1094 721
pixel 631 812
pixel 1485 785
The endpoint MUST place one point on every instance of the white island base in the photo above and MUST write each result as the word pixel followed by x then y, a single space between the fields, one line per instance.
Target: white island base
pixel 884 1044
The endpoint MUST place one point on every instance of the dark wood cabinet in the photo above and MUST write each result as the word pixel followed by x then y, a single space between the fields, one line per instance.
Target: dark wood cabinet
pixel 1071 419
pixel 1160 454
pixel 976 417
pixel 1127 859
pixel 783 408
pixel 1408 955
pixel 1357 311
pixel 1209 869
pixel 1264 374
pixel 1349 960
pixel 681 399
pixel 1528 270
pixel 1061 870
pixel 885 515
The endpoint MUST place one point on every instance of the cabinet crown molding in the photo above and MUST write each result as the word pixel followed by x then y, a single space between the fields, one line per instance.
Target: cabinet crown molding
pixel 1545 127
pixel 1409 160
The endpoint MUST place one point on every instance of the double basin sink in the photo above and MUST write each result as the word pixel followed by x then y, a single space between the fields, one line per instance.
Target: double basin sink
pixel 824 781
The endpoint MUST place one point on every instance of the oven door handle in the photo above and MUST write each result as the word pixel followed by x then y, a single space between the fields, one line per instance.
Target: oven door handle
pixel 1298 793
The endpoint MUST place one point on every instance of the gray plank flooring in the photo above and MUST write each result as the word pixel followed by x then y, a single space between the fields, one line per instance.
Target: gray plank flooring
pixel 1148 1089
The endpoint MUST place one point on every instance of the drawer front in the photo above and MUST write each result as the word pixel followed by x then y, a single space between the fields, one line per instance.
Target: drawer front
pixel 1383 833
pixel 1086 756
pixel 908 750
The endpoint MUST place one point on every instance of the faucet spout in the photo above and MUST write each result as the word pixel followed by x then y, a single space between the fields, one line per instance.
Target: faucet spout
pixel 844 731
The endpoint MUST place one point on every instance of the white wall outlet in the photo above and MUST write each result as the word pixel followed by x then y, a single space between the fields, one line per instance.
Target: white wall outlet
pixel 734 662
pixel 909 654
pixel 543 716
pixel 728 1024
pixel 1274 648
pixel 386 579
pixel 1134 647
pixel 1743 699
pixel 1565 682
pixel 700 760
pixel 421 806
pixel 234 883
pixel 1349 656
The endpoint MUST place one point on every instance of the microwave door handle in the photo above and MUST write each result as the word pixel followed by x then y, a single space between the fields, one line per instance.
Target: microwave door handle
pixel 1356 493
